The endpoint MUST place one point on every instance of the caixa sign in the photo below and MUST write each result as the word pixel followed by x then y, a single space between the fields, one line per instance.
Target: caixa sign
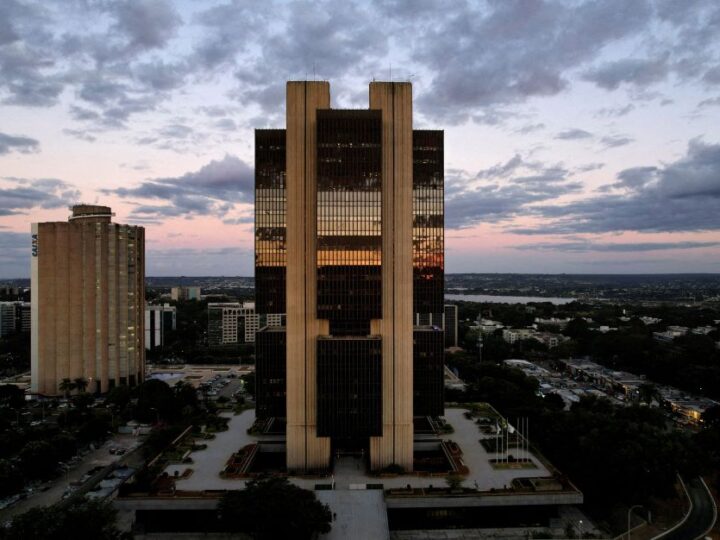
pixel 34 245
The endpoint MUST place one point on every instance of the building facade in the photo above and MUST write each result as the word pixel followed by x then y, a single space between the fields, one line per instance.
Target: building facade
pixel 185 293
pixel 349 243
pixel 88 297
pixel 8 318
pixel 450 325
pixel 231 323
pixel 159 321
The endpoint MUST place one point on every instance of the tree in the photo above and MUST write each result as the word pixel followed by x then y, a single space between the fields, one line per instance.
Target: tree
pixel 83 520
pixel 647 392
pixel 711 417
pixel 66 386
pixel 156 399
pixel 11 396
pixel 454 481
pixel 274 508
pixel 11 478
pixel 38 459
pixel 83 400
pixel 554 401
pixel 249 383
pixel 80 384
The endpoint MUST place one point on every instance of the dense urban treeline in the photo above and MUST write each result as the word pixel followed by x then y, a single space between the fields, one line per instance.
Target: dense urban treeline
pixel 690 362
pixel 616 455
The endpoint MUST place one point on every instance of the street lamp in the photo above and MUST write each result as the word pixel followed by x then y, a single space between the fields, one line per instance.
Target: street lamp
pixel 630 512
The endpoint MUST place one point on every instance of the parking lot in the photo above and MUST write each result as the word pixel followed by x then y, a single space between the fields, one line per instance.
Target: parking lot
pixel 51 492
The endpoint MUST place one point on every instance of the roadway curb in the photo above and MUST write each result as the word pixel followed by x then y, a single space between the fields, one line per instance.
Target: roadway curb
pixel 715 508
pixel 683 520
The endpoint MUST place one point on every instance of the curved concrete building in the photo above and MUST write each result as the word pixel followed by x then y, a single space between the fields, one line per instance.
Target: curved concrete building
pixel 88 297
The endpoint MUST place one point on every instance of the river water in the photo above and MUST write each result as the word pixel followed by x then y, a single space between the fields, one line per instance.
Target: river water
pixel 492 299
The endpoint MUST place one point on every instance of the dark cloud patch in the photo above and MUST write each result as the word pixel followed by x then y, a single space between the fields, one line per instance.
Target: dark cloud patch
pixel 505 52
pixel 211 190
pixel 159 75
pixel 328 38
pixel 222 42
pixel 712 76
pixel 613 141
pixel 615 112
pixel 530 128
pixel 503 191
pixel 27 59
pixel 573 135
pixel 15 143
pixel 24 194
pixel 14 254
pixel 80 134
pixel 640 72
pixel 588 246
pixel 678 197
pixel 147 24
pixel 712 102
pixel 637 177
pixel 226 124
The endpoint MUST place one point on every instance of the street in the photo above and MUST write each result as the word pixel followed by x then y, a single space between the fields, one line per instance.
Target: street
pixel 98 457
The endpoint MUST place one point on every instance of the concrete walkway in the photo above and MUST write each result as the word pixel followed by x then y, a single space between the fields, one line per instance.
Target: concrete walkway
pixel 208 463
pixel 359 515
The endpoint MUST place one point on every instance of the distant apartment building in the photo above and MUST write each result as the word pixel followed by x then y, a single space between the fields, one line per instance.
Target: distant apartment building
pixel 447 321
pixel 670 333
pixel 549 339
pixel 703 330
pixel 185 293
pixel 15 317
pixel 8 319
pixel 450 325
pixel 232 323
pixel 88 301
pixel 23 316
pixel 159 320
pixel 553 321
pixel 511 335
pixel 487 326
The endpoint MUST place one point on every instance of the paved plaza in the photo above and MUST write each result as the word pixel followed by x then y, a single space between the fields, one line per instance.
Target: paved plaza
pixel 348 470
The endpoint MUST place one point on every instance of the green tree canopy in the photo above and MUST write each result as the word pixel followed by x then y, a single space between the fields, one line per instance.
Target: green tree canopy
pixel 84 520
pixel 274 508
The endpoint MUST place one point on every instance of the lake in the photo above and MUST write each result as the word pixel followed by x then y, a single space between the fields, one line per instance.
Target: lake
pixel 491 299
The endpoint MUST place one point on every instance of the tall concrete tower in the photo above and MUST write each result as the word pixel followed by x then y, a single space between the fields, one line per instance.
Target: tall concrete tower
pixel 88 300
pixel 349 242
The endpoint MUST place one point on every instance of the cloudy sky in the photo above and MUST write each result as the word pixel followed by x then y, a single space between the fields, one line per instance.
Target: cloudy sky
pixel 581 136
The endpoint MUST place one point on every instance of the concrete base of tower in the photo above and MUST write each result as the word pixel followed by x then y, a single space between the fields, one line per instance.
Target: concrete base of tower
pixel 305 450
pixel 393 448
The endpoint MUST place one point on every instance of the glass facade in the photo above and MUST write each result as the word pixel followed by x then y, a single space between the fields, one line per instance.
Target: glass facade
pixel 349 220
pixel 428 368
pixel 428 221
pixel 349 388
pixel 349 277
pixel 270 226
pixel 270 369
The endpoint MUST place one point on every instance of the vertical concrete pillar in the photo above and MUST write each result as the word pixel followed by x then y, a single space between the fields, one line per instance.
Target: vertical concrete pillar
pixel 305 450
pixel 395 446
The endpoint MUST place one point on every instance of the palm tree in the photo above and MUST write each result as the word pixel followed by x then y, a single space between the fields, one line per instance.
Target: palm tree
pixel 81 384
pixel 66 386
pixel 647 392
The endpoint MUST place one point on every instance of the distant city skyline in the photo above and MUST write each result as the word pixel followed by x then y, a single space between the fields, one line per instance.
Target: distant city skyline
pixel 581 136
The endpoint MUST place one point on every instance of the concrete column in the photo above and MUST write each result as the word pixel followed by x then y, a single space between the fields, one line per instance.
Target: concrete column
pixel 396 443
pixel 305 450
